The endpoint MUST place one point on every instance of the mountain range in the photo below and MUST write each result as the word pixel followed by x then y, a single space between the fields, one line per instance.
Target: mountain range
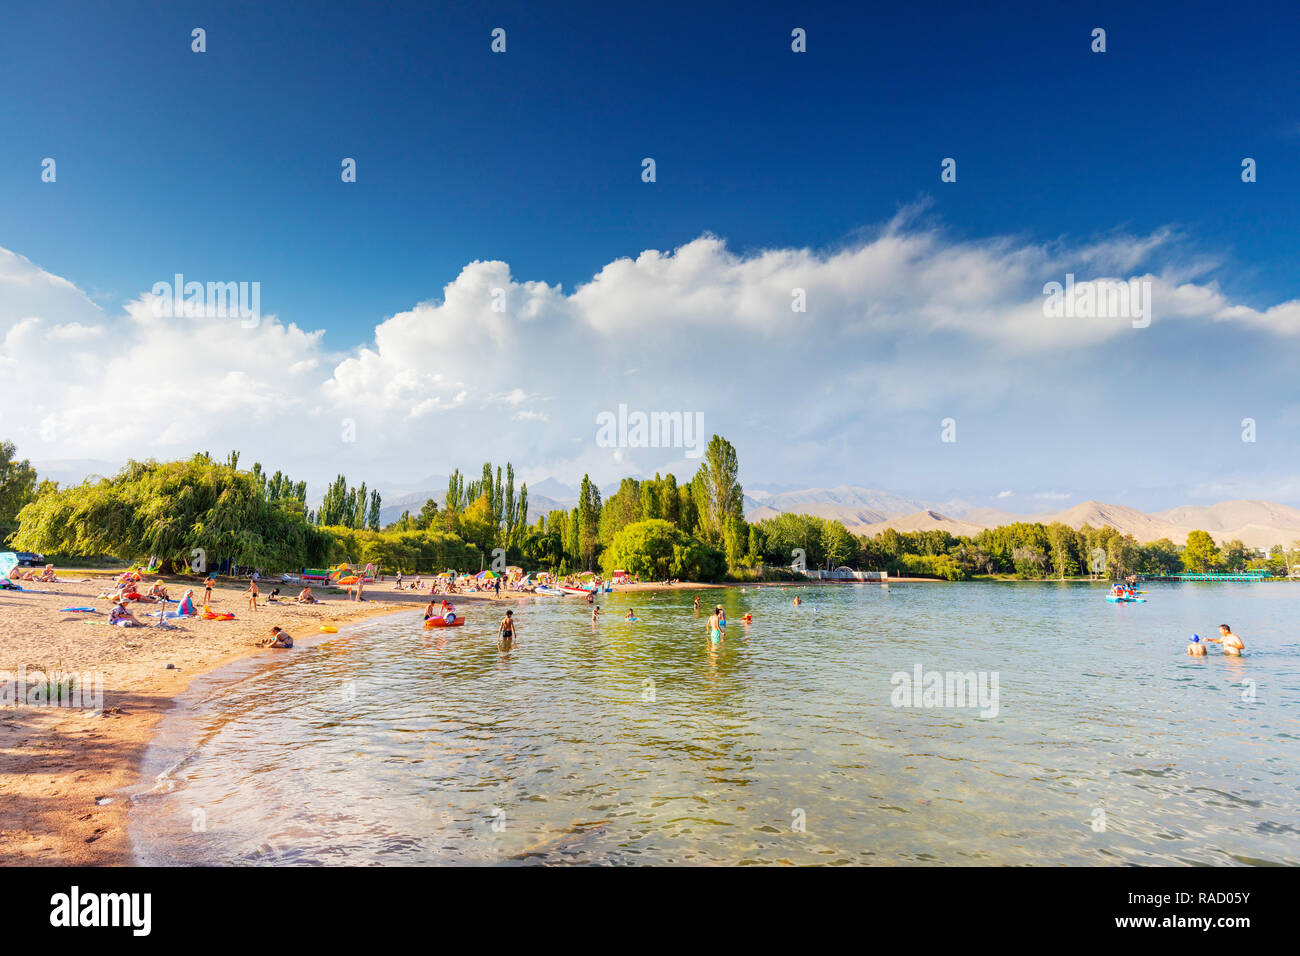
pixel 1257 524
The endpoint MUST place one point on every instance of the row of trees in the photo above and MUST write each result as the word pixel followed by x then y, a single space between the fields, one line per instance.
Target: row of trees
pixel 209 510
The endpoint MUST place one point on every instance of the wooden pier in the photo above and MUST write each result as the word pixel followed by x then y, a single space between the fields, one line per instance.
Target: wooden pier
pixel 1247 576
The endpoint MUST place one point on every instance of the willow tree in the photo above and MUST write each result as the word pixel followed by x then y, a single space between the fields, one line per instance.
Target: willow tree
pixel 192 512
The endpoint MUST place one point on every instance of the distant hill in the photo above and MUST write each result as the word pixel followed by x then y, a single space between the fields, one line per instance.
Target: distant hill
pixel 1257 524
pixel 924 521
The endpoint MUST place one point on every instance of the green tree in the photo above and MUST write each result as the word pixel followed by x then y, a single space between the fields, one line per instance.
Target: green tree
pixel 658 550
pixel 1201 553
pixel 716 489
pixel 17 488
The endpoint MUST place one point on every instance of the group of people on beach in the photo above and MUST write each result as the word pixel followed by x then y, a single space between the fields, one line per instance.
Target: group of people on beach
pixel 46 576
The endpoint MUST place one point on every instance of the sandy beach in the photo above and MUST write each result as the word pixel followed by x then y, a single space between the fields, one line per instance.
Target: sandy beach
pixel 58 763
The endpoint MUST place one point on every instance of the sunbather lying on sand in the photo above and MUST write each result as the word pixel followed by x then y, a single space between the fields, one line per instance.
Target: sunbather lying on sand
pixel 122 617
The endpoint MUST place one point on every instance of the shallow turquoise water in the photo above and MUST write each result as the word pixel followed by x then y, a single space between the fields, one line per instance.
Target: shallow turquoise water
pixel 635 743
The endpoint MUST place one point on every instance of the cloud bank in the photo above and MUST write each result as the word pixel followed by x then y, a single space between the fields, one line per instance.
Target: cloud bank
pixel 830 366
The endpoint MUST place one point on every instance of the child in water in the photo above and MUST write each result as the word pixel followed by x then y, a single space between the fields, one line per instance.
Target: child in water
pixel 1231 643
pixel 629 616
pixel 1196 648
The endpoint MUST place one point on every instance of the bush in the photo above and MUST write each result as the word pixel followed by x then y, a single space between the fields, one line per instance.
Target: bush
pixel 656 550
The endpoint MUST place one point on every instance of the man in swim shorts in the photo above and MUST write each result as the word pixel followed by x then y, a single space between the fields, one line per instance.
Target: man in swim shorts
pixel 506 631
pixel 1232 645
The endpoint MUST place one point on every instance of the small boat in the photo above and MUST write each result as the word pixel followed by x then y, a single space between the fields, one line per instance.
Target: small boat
pixel 549 591
pixel 1125 600
pixel 579 591
pixel 440 622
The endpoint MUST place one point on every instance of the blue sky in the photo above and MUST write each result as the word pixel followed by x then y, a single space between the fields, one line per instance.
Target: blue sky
pixel 225 165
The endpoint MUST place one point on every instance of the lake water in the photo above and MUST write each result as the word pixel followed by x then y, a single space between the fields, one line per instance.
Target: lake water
pixel 638 743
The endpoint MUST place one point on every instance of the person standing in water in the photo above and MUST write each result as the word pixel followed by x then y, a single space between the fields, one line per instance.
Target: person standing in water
pixel 1195 648
pixel 1232 645
pixel 717 626
pixel 506 631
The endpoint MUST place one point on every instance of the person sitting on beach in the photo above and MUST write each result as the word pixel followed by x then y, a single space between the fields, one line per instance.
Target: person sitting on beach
pixel 1232 645
pixel 1195 648
pixel 47 576
pixel 156 592
pixel 278 638
pixel 273 596
pixel 306 597
pixel 187 604
pixel 121 616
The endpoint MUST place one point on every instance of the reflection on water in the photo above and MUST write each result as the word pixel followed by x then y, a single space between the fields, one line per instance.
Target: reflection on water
pixel 638 743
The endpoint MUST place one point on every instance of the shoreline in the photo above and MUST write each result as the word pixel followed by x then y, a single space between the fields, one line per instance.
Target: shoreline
pixel 58 763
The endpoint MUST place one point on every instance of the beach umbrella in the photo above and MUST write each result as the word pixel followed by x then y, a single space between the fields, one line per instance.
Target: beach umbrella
pixel 489 575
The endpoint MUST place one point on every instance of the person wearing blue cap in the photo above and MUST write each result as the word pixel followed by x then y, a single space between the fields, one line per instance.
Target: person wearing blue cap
pixel 1196 648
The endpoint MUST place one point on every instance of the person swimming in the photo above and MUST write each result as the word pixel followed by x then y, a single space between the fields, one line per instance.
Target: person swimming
pixel 1195 648
pixel 1232 645
pixel 798 601
pixel 630 615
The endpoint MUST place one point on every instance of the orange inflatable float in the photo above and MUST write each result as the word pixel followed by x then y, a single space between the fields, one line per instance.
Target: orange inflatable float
pixel 439 622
